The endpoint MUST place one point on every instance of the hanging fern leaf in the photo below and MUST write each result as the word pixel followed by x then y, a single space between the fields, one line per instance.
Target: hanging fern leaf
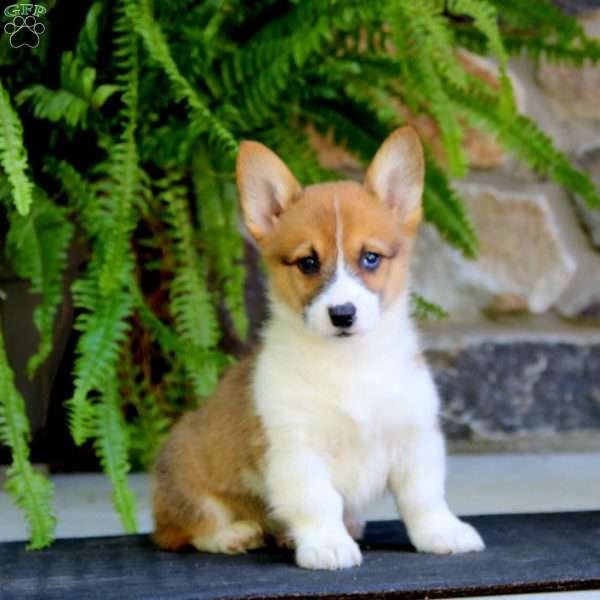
pixel 527 140
pixel 74 100
pixel 13 156
pixel 86 49
pixel 486 20
pixel 426 49
pixel 112 448
pixel 542 15
pixel 164 335
pixel 422 309
pixel 122 172
pixel 295 149
pixel 148 429
pixel 37 248
pixel 443 208
pixel 202 119
pixel 525 44
pixel 103 325
pixel 81 195
pixel 30 490
pixel 223 245
pixel 193 312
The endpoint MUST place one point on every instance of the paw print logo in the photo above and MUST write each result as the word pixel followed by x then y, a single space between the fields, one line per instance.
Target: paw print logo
pixel 24 31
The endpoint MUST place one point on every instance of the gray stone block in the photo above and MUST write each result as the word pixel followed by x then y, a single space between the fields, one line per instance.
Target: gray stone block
pixel 498 390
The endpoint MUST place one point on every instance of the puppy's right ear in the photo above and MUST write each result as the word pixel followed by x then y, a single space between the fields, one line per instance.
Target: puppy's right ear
pixel 267 187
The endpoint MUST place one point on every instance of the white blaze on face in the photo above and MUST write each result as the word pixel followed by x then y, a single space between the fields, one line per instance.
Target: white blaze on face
pixel 343 288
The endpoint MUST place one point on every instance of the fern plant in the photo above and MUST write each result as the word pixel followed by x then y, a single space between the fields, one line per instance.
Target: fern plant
pixel 121 136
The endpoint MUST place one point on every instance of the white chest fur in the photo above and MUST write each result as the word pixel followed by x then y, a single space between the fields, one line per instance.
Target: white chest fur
pixel 351 402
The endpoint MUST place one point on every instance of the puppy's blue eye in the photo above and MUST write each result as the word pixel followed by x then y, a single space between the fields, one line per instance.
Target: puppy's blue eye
pixel 370 260
pixel 309 265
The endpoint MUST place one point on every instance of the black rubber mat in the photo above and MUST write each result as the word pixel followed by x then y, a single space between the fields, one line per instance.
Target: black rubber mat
pixel 525 553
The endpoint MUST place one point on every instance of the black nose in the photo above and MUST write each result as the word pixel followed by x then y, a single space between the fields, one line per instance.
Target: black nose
pixel 342 315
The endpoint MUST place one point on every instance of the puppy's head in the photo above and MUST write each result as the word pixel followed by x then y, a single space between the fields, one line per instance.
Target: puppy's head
pixel 337 253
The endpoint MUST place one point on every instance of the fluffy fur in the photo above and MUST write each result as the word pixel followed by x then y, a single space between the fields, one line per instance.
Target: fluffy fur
pixel 320 419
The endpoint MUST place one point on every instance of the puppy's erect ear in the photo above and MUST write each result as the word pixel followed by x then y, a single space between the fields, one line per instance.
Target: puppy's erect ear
pixel 395 175
pixel 266 186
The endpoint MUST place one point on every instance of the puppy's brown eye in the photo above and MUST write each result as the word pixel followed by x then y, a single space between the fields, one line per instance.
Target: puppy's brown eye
pixel 309 265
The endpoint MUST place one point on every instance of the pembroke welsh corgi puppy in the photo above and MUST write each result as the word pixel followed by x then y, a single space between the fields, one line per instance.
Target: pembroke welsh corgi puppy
pixel 337 403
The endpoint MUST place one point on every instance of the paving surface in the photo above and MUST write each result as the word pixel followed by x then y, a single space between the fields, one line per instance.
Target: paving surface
pixel 547 551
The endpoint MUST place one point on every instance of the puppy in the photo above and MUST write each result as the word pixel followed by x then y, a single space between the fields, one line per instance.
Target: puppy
pixel 337 403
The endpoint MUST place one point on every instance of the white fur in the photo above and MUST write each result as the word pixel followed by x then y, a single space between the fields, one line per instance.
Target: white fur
pixel 344 418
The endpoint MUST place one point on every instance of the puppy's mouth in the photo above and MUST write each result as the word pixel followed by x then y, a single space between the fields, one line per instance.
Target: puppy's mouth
pixel 343 334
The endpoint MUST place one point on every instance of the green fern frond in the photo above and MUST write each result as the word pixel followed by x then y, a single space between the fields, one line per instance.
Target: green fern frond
pixel 525 138
pixel 426 54
pixel 202 119
pixel 443 208
pixel 195 318
pixel 486 20
pixel 37 248
pixel 13 156
pixel 164 335
pixel 76 98
pixel 30 490
pixel 266 66
pixel 122 171
pixel 103 325
pixel 82 197
pixel 345 131
pixel 542 16
pixel 112 448
pixel 223 245
pixel 86 49
pixel 422 309
pixel 191 307
pixel 586 50
pixel 151 423
pixel 118 194
pixel 529 43
pixel 293 146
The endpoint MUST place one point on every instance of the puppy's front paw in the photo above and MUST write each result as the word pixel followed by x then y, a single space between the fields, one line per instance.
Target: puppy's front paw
pixel 451 536
pixel 331 554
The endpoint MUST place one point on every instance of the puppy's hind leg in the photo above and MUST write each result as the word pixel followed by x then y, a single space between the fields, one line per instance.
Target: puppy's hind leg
pixel 227 532
pixel 210 526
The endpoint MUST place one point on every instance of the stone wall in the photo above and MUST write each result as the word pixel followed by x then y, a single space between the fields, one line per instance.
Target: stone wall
pixel 518 362
pixel 540 247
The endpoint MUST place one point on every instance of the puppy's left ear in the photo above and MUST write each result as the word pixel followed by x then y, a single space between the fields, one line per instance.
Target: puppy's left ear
pixel 396 173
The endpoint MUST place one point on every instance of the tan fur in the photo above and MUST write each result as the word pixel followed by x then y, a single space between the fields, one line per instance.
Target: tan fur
pixel 210 454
